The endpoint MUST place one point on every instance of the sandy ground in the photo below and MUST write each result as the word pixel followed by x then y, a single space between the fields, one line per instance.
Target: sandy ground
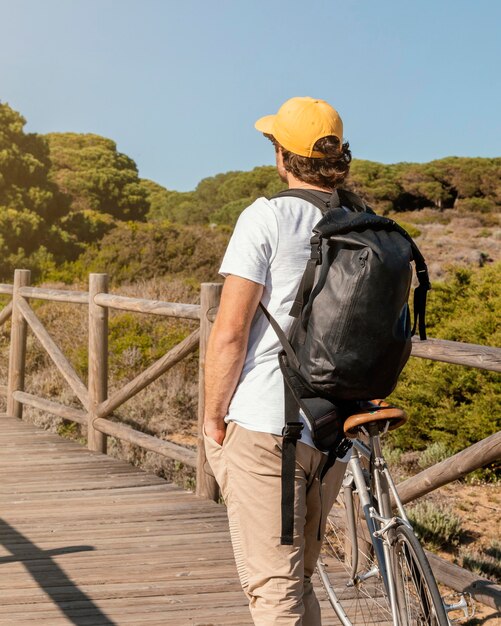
pixel 479 507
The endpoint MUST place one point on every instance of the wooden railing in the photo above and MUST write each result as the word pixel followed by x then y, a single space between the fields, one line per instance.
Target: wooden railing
pixel 98 406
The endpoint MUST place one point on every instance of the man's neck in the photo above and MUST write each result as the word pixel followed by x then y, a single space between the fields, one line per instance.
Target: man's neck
pixel 295 183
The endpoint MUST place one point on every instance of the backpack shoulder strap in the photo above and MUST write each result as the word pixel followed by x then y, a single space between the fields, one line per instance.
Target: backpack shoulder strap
pixel 339 197
pixel 310 195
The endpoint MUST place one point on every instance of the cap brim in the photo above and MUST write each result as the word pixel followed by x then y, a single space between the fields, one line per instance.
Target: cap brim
pixel 265 124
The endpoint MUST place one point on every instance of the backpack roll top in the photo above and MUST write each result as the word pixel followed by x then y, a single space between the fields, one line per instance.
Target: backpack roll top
pixel 339 222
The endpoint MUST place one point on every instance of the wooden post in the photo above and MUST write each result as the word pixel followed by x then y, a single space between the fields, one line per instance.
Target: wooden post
pixel 98 360
pixel 17 353
pixel 210 294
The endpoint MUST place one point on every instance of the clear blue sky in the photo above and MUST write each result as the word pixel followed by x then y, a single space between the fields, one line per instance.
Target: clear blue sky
pixel 178 84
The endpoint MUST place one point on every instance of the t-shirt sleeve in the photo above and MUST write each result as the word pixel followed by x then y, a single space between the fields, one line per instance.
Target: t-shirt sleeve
pixel 252 244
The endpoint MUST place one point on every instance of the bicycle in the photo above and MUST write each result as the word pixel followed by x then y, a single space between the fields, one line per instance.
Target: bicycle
pixel 372 565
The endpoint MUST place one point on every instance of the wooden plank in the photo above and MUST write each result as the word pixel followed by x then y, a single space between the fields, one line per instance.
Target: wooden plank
pixel 472 355
pixel 6 289
pixel 155 307
pixel 82 541
pixel 147 543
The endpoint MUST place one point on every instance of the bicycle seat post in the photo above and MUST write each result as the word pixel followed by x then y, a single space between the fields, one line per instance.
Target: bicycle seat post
pixel 374 429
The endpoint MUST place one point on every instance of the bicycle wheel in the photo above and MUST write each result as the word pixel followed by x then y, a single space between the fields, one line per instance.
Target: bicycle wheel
pixel 418 597
pixel 351 577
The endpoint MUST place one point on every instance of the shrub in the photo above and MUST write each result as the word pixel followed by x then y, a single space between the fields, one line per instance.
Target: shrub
pixel 135 341
pixel 484 561
pixel 435 525
pixel 410 228
pixel 452 404
pixel 393 456
pixel 476 205
pixel 434 453
pixel 134 251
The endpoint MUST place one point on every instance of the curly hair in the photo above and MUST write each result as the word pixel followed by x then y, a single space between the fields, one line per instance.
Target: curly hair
pixel 329 172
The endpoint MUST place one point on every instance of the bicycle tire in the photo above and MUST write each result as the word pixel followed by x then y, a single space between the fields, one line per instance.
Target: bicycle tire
pixel 418 597
pixel 365 603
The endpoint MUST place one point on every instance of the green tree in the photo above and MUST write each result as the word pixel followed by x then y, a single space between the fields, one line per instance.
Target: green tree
pixel 375 182
pixel 218 199
pixel 30 203
pixel 90 170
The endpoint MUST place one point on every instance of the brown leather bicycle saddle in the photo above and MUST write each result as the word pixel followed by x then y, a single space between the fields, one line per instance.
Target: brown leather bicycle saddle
pixel 373 411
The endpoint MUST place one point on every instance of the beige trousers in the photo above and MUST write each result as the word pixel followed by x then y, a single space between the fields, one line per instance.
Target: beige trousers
pixel 275 578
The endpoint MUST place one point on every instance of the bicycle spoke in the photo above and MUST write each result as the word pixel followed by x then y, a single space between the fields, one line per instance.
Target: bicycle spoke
pixel 365 602
pixel 349 565
pixel 419 600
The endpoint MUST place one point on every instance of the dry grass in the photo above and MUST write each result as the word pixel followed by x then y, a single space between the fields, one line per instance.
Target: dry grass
pixel 451 238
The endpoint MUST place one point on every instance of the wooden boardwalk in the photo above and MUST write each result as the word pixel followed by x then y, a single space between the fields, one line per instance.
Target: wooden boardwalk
pixel 92 541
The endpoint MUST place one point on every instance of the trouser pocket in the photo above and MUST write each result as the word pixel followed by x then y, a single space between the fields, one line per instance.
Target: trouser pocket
pixel 216 464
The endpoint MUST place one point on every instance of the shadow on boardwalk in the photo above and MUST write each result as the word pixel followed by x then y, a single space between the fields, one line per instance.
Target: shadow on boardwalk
pixel 49 576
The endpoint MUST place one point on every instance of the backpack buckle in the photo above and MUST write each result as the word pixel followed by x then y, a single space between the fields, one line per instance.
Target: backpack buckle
pixel 316 249
pixel 292 430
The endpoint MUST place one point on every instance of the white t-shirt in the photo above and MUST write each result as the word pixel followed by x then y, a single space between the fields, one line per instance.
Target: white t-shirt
pixel 270 246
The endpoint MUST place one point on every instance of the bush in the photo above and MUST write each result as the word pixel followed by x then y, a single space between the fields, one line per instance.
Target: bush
pixel 135 341
pixel 433 454
pixel 435 525
pixel 134 251
pixel 452 404
pixel 476 205
pixel 410 228
pixel 483 561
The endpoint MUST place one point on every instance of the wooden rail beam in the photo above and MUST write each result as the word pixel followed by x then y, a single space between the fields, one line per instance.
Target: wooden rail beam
pixel 469 354
pixel 210 295
pixel 6 313
pixel 182 349
pixel 155 307
pixel 460 579
pixel 7 289
pixel 53 350
pixel 61 410
pixel 17 352
pixel 474 457
pixel 56 295
pixel 148 442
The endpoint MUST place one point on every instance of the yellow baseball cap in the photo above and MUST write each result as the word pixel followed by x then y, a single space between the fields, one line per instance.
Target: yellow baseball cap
pixel 300 123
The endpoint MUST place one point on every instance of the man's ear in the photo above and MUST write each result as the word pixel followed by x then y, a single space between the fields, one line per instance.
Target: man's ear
pixel 279 157
pixel 280 165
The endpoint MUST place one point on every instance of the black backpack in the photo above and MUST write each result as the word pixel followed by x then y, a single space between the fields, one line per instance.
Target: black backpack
pixel 352 332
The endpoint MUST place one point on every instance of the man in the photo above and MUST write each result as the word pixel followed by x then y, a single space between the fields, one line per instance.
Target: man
pixel 244 399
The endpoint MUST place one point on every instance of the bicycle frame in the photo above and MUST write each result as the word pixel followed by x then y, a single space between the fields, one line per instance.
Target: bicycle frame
pixel 379 523
pixel 393 546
